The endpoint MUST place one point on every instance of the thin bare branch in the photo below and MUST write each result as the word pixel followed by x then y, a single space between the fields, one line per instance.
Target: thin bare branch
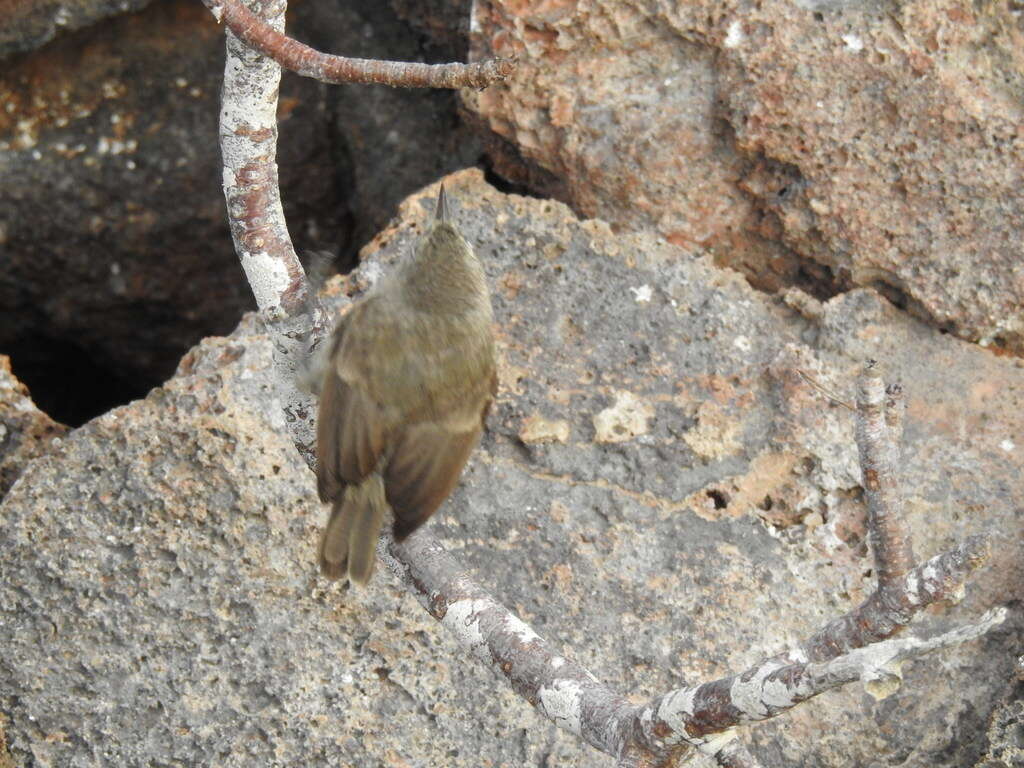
pixel 879 454
pixel 830 395
pixel 309 62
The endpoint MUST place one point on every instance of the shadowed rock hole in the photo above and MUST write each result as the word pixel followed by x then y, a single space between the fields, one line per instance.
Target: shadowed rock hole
pixel 69 382
pixel 504 185
pixel 720 498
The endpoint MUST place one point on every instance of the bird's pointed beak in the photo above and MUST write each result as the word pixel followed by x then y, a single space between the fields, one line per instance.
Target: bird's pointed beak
pixel 441 214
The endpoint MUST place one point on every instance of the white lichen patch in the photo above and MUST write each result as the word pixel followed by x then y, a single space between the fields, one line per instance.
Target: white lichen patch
pixel 642 294
pixel 462 619
pixel 734 35
pixel 538 429
pixel 754 695
pixel 624 420
pixel 520 629
pixel 676 708
pixel 1007 445
pixel 562 703
pixel 913 587
pixel 268 278
pixel 715 742
pixel 716 435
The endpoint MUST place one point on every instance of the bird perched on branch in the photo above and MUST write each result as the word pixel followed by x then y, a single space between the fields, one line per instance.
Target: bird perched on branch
pixel 409 379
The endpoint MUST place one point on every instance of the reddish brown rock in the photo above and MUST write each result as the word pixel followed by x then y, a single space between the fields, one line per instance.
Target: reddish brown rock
pixel 817 144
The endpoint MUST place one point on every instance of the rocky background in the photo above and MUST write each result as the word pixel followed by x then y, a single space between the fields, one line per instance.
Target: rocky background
pixel 748 191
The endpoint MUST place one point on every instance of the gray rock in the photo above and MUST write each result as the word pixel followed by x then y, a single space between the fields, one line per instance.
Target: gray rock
pixel 29 24
pixel 25 431
pixel 159 597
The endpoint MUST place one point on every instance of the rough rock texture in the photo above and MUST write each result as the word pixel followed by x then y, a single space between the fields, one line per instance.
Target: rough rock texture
pixel 1006 731
pixel 814 143
pixel 30 23
pixel 158 587
pixel 25 431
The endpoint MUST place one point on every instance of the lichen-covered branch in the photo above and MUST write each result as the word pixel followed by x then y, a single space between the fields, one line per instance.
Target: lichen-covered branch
pixel 562 690
pixel 782 681
pixel 269 40
pixel 657 734
pixel 889 609
pixel 772 687
pixel 248 140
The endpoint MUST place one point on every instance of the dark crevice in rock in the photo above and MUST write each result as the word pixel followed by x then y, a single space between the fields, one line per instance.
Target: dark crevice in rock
pixel 118 259
pixel 117 256
pixel 69 382
pixel 780 195
pixel 385 143
pixel 503 184
pixel 508 170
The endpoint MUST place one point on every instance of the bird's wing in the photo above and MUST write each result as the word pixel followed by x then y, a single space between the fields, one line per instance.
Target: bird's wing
pixel 428 458
pixel 429 421
pixel 351 425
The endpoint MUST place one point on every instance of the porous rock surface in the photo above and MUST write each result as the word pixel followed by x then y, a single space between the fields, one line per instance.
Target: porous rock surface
pixel 820 143
pixel 159 601
pixel 25 431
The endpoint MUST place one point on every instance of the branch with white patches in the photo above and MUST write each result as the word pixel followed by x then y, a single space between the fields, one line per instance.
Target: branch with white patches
pixel 658 734
pixel 270 41
pixel 811 667
pixel 562 690
pixel 248 139
pixel 889 609
pixel 772 687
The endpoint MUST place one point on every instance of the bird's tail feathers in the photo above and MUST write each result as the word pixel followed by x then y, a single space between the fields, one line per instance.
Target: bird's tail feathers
pixel 349 543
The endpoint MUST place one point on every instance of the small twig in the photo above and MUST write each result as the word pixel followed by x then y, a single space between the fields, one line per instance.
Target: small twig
pixel 879 455
pixel 890 609
pixel 309 62
pixel 835 399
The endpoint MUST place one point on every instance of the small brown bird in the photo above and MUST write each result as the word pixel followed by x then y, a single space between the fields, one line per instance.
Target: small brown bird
pixel 409 380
